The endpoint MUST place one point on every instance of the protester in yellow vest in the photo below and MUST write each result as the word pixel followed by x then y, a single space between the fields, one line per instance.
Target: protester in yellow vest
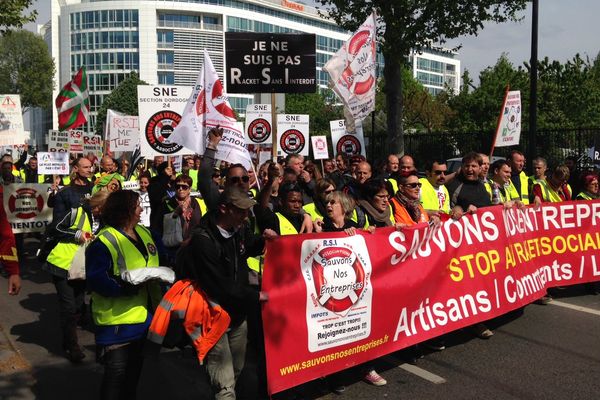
pixel 516 160
pixel 434 196
pixel 339 218
pixel 121 310
pixel 500 187
pixel 554 188
pixel 589 183
pixel 316 209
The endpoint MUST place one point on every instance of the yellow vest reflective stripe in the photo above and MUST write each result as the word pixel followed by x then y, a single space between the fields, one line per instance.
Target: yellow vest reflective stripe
pixel 311 209
pixel 62 254
pixel 584 196
pixel 394 184
pixel 430 199
pixel 550 195
pixel 285 226
pixel 126 257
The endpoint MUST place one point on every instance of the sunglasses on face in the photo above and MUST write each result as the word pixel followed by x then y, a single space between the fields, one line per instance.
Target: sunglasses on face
pixel 439 172
pixel 328 191
pixel 182 187
pixel 413 185
pixel 238 179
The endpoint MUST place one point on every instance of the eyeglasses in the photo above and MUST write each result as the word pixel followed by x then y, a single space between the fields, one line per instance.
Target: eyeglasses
pixel 328 191
pixel 382 196
pixel 238 179
pixel 182 187
pixel 413 185
pixel 331 202
pixel 439 172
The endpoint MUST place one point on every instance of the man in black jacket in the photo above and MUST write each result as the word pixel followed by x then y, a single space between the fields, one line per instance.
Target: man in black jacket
pixel 216 259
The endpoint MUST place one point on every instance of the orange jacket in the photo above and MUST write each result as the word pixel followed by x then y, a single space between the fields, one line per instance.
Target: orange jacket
pixel 401 216
pixel 203 322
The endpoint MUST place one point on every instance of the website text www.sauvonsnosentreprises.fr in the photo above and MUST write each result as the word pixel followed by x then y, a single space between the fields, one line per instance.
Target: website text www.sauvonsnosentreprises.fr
pixel 313 362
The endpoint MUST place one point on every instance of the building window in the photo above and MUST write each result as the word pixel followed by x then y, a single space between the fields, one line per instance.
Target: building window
pixel 166 78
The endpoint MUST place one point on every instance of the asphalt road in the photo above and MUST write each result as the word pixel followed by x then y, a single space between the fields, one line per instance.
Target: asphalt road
pixel 548 352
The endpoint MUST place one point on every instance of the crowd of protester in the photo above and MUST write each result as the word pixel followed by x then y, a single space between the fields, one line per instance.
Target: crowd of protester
pixel 209 221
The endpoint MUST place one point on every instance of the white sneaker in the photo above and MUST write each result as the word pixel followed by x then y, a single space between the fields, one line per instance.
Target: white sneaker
pixel 374 378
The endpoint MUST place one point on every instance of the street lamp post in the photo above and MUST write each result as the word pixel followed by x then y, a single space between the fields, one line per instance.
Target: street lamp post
pixel 532 150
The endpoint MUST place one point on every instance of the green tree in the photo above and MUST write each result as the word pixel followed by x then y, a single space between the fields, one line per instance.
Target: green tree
pixel 413 25
pixel 316 105
pixel 26 68
pixel 11 14
pixel 123 98
pixel 478 110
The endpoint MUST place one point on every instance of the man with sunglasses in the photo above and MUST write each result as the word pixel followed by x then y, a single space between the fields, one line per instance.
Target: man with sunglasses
pixel 434 196
pixel 236 174
pixel 405 204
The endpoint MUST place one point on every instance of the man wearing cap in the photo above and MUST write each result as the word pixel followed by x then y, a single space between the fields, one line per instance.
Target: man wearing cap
pixel 215 259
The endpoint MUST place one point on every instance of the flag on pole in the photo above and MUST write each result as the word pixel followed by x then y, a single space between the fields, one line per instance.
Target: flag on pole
pixel 72 103
pixel 208 107
pixel 352 71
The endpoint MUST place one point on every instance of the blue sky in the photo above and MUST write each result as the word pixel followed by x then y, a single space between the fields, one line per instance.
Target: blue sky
pixel 566 28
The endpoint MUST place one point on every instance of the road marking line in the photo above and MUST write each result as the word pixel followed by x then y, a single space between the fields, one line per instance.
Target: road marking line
pixel 574 307
pixel 421 373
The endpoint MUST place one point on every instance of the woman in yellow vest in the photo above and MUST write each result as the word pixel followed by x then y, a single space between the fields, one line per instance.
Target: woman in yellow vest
pixel 554 188
pixel 70 233
pixel 340 207
pixel 317 209
pixel 589 183
pixel 121 311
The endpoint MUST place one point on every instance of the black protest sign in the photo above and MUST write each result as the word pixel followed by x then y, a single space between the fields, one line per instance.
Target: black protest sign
pixel 270 63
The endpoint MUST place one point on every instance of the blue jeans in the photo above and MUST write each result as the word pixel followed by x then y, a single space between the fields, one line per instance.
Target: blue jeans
pixel 225 361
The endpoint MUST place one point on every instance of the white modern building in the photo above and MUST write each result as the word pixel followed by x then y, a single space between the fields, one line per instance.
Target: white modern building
pixel 163 40
pixel 437 69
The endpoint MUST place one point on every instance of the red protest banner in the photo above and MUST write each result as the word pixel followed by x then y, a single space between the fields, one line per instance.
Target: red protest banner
pixel 336 301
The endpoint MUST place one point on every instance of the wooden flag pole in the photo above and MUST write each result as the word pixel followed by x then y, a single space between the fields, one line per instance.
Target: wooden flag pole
pixel 499 121
pixel 274 127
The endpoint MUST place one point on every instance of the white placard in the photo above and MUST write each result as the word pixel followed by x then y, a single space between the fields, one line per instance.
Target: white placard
pixel 76 141
pixel 292 134
pixel 350 143
pixel 160 109
pixel 130 185
pixel 11 120
pixel 509 128
pixel 26 206
pixel 258 124
pixel 337 273
pixel 93 144
pixel 52 163
pixel 319 147
pixel 58 141
pixel 123 131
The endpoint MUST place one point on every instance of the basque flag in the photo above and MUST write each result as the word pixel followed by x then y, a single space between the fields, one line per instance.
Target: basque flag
pixel 72 103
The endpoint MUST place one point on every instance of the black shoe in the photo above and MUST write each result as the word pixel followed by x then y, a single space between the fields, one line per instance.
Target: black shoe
pixel 74 354
pixel 434 344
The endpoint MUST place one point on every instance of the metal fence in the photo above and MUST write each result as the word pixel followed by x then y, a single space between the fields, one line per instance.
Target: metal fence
pixel 554 145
